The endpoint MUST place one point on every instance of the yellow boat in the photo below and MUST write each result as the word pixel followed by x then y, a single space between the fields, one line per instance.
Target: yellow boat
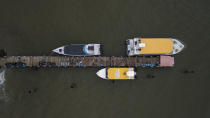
pixel 153 46
pixel 117 73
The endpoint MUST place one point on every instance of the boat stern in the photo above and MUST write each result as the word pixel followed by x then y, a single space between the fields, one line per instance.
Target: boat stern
pixel 92 49
pixel 132 46
pixel 97 49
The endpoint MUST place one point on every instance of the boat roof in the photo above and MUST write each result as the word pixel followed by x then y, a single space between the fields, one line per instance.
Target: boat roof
pixel 156 46
pixel 118 73
pixel 166 61
pixel 76 49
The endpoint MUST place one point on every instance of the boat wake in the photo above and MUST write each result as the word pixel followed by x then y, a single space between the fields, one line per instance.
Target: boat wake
pixel 2 79
pixel 3 93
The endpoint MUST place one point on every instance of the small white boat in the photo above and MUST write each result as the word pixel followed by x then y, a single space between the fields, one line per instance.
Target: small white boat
pixel 79 50
pixel 117 73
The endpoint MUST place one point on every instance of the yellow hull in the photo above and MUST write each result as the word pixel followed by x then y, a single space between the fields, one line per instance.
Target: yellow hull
pixel 156 46
pixel 117 73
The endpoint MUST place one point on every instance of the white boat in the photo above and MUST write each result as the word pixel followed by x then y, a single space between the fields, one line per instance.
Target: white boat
pixel 79 50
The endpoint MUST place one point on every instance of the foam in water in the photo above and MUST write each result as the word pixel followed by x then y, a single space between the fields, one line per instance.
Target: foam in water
pixel 3 94
pixel 2 79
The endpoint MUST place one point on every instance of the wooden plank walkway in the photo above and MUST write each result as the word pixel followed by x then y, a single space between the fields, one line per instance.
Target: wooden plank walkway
pixel 62 61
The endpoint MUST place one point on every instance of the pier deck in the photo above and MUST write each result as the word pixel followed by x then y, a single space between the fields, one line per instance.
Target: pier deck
pixel 62 61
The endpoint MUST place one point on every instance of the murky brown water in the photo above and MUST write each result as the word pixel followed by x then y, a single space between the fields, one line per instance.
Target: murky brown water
pixel 36 27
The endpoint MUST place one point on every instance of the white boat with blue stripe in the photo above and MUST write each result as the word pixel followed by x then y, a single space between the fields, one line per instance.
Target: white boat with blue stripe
pixel 79 50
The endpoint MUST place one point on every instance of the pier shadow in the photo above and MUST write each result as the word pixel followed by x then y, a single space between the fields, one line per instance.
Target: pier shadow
pixel 32 91
pixel 73 85
pixel 188 71
pixel 150 76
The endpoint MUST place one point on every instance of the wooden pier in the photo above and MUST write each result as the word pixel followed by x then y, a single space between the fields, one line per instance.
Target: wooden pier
pixel 63 61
